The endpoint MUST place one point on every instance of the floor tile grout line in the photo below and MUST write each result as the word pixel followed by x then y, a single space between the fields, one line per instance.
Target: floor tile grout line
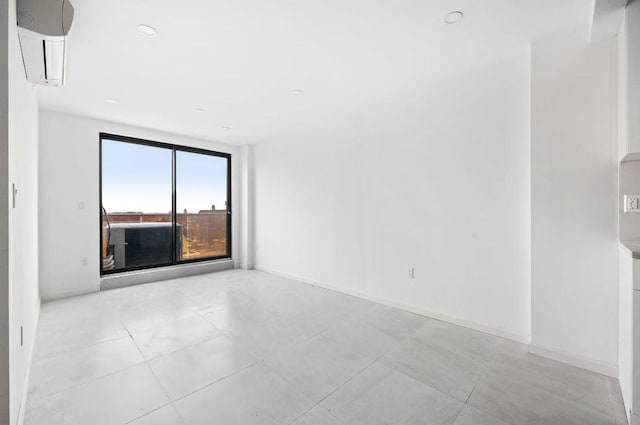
pixel 458 414
pixel 215 382
pixel 275 315
pixel 149 413
pixel 146 362
pixel 472 390
pixel 93 379
pixel 420 382
pixel 552 378
pixel 339 386
pixel 317 403
pixel 134 341
pixel 190 345
pixel 303 413
pixel 348 380
pixel 390 348
pixel 509 421
pixel 275 372
pixel 76 348
pixel 487 369
pixel 171 400
pixel 486 365
pixel 90 382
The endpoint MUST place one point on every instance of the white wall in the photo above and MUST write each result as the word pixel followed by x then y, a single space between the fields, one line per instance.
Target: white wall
pixel 574 201
pixel 628 142
pixel 248 209
pixel 440 180
pixel 625 260
pixel 436 179
pixel 69 198
pixel 4 214
pixel 23 220
pixel 633 83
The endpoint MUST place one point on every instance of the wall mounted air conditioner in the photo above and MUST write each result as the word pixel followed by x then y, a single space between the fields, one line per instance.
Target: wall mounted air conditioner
pixel 43 26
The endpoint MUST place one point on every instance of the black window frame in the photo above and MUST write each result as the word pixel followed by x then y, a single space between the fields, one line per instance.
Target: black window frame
pixel 174 148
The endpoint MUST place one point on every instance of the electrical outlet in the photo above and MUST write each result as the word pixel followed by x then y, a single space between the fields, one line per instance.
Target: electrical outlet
pixel 412 273
pixel 631 203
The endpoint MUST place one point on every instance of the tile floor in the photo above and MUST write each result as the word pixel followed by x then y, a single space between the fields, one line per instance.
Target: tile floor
pixel 251 348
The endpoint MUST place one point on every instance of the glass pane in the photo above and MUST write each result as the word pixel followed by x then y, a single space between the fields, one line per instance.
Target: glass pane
pixel 136 206
pixel 201 205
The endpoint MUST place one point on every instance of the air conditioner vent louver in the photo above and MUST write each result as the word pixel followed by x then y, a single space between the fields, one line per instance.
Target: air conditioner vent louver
pixel 43 27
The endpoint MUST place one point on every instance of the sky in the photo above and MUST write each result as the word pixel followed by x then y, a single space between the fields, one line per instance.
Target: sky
pixel 138 178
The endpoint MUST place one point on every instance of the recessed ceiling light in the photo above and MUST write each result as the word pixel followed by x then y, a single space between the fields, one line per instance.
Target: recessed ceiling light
pixel 226 127
pixel 110 100
pixel 147 31
pixel 199 110
pixel 297 92
pixel 454 17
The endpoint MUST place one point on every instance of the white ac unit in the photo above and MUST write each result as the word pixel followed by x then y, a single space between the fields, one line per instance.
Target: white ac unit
pixel 43 27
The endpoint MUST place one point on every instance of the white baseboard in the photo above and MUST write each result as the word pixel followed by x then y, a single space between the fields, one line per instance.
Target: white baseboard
pixel 62 295
pixel 596 366
pixel 524 339
pixel 27 375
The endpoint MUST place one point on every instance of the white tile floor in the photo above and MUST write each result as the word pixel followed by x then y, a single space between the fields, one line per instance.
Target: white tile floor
pixel 251 348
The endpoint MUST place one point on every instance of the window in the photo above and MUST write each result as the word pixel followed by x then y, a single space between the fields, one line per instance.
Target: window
pixel 162 204
pixel 201 200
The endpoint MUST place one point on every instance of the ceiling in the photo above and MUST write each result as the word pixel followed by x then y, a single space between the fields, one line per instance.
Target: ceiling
pixel 240 60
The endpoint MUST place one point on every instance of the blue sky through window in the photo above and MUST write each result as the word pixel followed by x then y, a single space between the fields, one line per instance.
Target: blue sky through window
pixel 137 178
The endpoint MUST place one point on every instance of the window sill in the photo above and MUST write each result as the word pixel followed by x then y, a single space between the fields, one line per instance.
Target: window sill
pixel 140 277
